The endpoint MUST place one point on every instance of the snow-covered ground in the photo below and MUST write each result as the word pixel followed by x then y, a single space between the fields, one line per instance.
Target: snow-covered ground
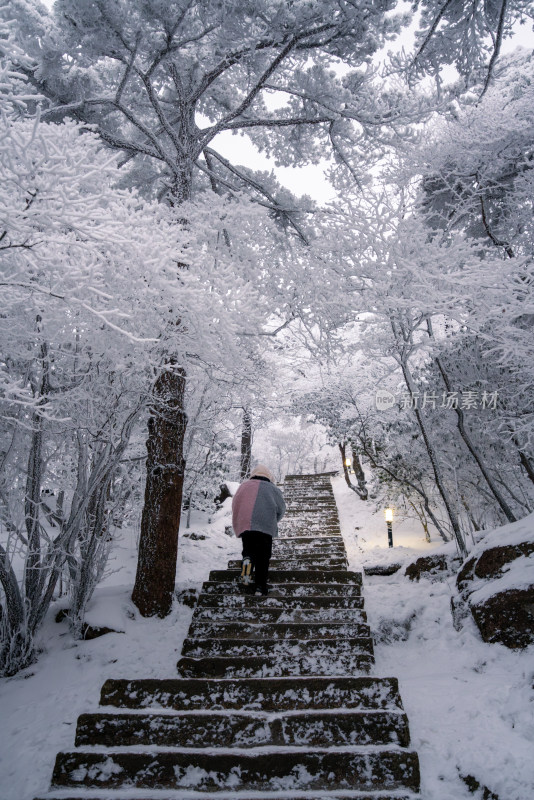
pixel 470 705
pixel 39 707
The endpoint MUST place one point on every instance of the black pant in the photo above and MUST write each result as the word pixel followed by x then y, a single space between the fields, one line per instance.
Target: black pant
pixel 258 547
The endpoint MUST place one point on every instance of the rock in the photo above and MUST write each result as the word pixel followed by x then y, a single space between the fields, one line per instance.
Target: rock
pixel 426 567
pixel 491 562
pixel 492 586
pixel 94 631
pixel 460 611
pixel 87 631
pixel 224 494
pixel 382 569
pixel 187 597
pixel 474 786
pixel 466 573
pixel 506 617
pixel 229 531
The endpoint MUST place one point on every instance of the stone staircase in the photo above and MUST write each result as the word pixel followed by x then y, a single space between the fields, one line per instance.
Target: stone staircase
pixel 273 698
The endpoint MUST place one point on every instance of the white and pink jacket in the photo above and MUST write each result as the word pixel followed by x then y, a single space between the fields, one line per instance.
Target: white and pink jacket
pixel 258 505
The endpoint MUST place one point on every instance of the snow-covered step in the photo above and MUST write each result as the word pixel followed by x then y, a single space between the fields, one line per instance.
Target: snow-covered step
pixel 157 794
pixel 312 527
pixel 308 542
pixel 282 603
pixel 252 729
pixel 325 506
pixel 215 629
pixel 316 576
pixel 287 591
pixel 302 545
pixel 277 648
pixel 261 694
pixel 358 768
pixel 300 562
pixel 266 615
pixel 283 553
pixel 325 662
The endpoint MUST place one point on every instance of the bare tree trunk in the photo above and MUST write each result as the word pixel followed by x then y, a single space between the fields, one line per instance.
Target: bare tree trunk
pixel 362 493
pixel 160 521
pixel 158 546
pixel 403 338
pixel 359 473
pixel 472 520
pixel 246 444
pixel 453 517
pixel 505 508
pixel 343 450
pixel 421 517
pixel 33 576
pixel 32 572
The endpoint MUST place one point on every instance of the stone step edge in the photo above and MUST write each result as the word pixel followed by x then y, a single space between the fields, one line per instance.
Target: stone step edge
pixel 354 683
pixel 227 575
pixel 231 641
pixel 184 794
pixel 319 584
pixel 244 751
pixel 252 713
pixel 213 603
pixel 314 560
pixel 227 587
pixel 296 539
pixel 273 595
pixel 283 666
pixel 262 626
pixel 395 769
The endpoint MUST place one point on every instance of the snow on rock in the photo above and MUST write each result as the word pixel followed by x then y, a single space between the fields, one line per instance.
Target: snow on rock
pixel 511 534
pixel 496 584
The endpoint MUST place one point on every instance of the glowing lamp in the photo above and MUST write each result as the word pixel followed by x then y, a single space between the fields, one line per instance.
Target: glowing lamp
pixel 389 522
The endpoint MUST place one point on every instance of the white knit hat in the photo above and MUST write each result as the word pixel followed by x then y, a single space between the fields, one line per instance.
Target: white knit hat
pixel 261 471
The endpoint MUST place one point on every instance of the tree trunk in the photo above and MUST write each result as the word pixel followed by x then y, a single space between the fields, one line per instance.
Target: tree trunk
pixel 246 444
pixel 158 546
pixel 453 517
pixel 505 508
pixel 165 466
pixel 342 449
pixel 361 489
pixel 527 466
pixel 359 473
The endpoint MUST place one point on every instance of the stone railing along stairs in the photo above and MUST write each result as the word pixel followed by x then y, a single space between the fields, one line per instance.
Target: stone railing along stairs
pixel 273 698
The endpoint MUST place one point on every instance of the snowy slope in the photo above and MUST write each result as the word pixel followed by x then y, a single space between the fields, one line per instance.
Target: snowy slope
pixel 470 704
pixel 39 707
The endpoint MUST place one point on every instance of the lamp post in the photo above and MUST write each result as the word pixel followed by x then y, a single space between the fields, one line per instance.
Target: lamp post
pixel 347 464
pixel 389 522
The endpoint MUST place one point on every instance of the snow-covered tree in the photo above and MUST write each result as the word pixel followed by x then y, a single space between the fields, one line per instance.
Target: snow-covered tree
pixel 93 280
pixel 468 36
pixel 160 81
